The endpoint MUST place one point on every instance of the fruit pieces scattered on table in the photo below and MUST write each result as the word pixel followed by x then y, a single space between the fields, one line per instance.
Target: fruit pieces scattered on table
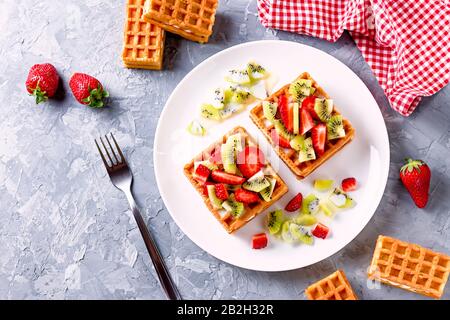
pixel 259 241
pixel 88 90
pixel 250 161
pixel 320 231
pixel 416 176
pixel 42 82
pixel 349 184
pixel 295 203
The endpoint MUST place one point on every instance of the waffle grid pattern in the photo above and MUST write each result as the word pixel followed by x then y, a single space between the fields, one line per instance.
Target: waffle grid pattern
pixel 333 287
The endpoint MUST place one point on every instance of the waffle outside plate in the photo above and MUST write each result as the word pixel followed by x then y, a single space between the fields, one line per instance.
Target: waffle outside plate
pixel 333 287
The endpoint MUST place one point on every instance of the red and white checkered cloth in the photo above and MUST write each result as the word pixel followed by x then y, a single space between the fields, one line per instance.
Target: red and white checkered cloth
pixel 405 42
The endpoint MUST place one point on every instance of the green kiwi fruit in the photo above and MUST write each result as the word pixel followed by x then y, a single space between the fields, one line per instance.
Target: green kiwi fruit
pixel 209 112
pixel 216 202
pixel 228 157
pixel 269 110
pixel 266 194
pixel 236 142
pixel 306 153
pixel 310 204
pixel 256 183
pixel 238 77
pixel 274 221
pixel 300 88
pixel 323 184
pixel 206 163
pixel 256 71
pixel 301 234
pixel 323 108
pixel 297 142
pixel 229 110
pixel 282 131
pixel 196 128
pixel 306 220
pixel 286 232
pixel 218 99
pixel 335 128
pixel 235 208
pixel 340 199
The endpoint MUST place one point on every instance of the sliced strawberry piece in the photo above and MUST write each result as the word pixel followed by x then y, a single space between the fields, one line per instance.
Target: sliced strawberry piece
pixel 286 113
pixel 216 156
pixel 349 184
pixel 246 196
pixel 259 241
pixel 295 203
pixel 221 191
pixel 201 174
pixel 280 141
pixel 320 231
pixel 227 178
pixel 319 137
pixel 250 161
pixel 308 104
pixel 306 121
pixel 205 188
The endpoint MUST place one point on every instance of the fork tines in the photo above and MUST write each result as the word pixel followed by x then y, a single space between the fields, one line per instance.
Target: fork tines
pixel 118 156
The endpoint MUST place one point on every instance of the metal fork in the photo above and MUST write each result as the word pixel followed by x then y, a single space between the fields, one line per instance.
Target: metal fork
pixel 122 179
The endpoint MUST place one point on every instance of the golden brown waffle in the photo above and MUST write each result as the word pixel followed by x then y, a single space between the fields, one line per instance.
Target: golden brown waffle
pixel 191 19
pixel 333 287
pixel 143 42
pixel 290 156
pixel 409 266
pixel 251 210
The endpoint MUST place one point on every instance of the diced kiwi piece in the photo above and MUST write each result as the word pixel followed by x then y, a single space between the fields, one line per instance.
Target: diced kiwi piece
pixel 206 163
pixel 335 128
pixel 209 112
pixel 218 99
pixel 266 194
pixel 256 183
pixel 326 208
pixel 341 199
pixel 286 232
pixel 196 128
pixel 323 108
pixel 310 204
pixel 216 202
pixel 323 184
pixel 295 111
pixel 306 153
pixel 282 131
pixel 256 71
pixel 274 220
pixel 241 95
pixel 300 88
pixel 235 208
pixel 236 142
pixel 238 76
pixel 228 158
pixel 269 110
pixel 301 234
pixel 297 142
pixel 306 220
pixel 230 109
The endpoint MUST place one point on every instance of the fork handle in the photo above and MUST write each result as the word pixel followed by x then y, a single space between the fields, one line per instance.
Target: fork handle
pixel 163 274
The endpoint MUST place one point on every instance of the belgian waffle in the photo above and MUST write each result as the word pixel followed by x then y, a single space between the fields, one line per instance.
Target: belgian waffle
pixel 143 42
pixel 290 156
pixel 333 287
pixel 251 210
pixel 191 19
pixel 409 266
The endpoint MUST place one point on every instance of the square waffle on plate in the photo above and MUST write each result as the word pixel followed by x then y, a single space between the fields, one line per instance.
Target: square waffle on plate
pixel 299 167
pixel 143 42
pixel 333 287
pixel 409 266
pixel 250 210
pixel 191 19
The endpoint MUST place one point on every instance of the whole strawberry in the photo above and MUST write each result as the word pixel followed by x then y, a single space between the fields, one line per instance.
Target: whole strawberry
pixel 42 81
pixel 88 90
pixel 416 175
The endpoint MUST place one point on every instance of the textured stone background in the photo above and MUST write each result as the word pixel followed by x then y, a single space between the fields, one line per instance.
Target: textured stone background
pixel 66 232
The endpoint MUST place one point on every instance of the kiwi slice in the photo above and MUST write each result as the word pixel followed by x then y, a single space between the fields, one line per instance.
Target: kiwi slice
pixel 206 163
pixel 306 220
pixel 340 199
pixel 282 131
pixel 323 108
pixel 236 142
pixel 229 110
pixel 326 208
pixel 274 221
pixel 297 142
pixel 286 232
pixel 256 183
pixel 266 194
pixel 218 99
pixel 295 111
pixel 256 71
pixel 301 234
pixel 310 204
pixel 196 128
pixel 300 88
pixel 228 158
pixel 216 202
pixel 335 128
pixel 209 112
pixel 323 184
pixel 306 153
pixel 238 77
pixel 235 208
pixel 269 110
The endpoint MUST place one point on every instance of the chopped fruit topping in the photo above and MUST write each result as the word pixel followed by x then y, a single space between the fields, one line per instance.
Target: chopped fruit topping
pixel 278 140
pixel 307 122
pixel 216 156
pixel 281 130
pixel 221 191
pixel 349 184
pixel 297 142
pixel 266 194
pixel 286 113
pixel 296 117
pixel 235 208
pixel 205 187
pixel 335 128
pixel 323 185
pixel 274 221
pixel 320 231
pixel 227 178
pixel 250 161
pixel 246 196
pixel 259 241
pixel 306 153
pixel 308 104
pixel 300 88
pixel 257 182
pixel 319 137
pixel 323 108
pixel 269 110
pixel 415 176
pixel 202 173
pixel 295 203
pixel 215 202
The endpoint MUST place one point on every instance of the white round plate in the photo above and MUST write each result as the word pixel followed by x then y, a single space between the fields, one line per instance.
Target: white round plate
pixel 366 157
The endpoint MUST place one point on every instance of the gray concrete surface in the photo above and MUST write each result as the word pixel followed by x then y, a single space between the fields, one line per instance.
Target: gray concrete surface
pixel 67 233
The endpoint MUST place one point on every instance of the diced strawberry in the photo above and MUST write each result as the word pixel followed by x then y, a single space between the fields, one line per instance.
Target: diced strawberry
pixel 246 196
pixel 306 121
pixel 227 178
pixel 205 188
pixel 216 156
pixel 259 241
pixel 280 141
pixel 201 174
pixel 349 184
pixel 286 113
pixel 295 203
pixel 319 136
pixel 221 191
pixel 250 161
pixel 320 231
pixel 308 104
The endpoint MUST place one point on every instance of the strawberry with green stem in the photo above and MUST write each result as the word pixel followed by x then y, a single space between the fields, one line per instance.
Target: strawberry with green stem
pixel 88 90
pixel 416 176
pixel 42 81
